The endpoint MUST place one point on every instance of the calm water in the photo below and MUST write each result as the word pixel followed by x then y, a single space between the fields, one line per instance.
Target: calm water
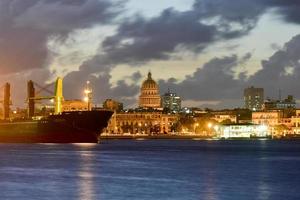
pixel 177 170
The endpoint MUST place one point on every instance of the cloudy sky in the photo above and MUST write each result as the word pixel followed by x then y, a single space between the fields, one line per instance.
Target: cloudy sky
pixel 207 51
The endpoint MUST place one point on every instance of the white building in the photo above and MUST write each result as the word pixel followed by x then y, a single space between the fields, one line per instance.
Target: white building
pixel 242 131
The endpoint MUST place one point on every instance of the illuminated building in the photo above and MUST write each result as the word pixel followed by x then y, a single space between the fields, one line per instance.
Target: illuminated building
pixel 149 97
pixel 296 123
pixel 222 117
pixel 141 123
pixel 270 118
pixel 288 103
pixel 171 102
pixel 148 118
pixel 113 105
pixel 276 120
pixel 242 131
pixel 254 98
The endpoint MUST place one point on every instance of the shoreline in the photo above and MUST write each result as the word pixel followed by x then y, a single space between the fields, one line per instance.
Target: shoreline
pixel 183 137
pixel 141 137
pixel 169 137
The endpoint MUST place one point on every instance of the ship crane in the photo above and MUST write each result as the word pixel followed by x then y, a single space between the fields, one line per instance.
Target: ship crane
pixel 33 96
pixel 6 101
pixel 88 92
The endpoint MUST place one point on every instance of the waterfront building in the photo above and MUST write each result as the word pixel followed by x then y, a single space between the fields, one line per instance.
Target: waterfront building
pixel 242 131
pixel 171 102
pixel 224 117
pixel 142 123
pixel 254 98
pixel 296 123
pixel 288 103
pixel 276 120
pixel 113 105
pixel 270 117
pixel 149 97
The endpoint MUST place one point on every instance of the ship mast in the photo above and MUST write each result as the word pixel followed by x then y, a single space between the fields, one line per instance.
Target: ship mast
pixel 88 95
pixel 58 98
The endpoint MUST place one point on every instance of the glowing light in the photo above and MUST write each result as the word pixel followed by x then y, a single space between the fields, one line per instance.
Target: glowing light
pixel 87 91
pixel 216 127
pixel 209 125
pixel 262 128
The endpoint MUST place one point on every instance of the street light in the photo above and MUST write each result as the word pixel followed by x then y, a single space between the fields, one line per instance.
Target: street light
pixel 209 125
pixel 140 129
pixel 195 126
pixel 216 127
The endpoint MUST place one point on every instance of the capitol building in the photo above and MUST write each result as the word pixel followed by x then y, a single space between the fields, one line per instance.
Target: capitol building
pixel 148 119
pixel 150 97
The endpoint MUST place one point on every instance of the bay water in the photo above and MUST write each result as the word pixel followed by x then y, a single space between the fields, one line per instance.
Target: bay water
pixel 152 169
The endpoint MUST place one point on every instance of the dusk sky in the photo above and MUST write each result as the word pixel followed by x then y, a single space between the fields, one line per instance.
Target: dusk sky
pixel 207 51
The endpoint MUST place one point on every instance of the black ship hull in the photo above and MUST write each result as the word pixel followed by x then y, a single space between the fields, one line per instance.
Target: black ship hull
pixel 68 127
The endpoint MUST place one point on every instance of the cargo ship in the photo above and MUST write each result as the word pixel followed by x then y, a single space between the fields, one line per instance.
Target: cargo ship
pixel 60 127
pixel 67 127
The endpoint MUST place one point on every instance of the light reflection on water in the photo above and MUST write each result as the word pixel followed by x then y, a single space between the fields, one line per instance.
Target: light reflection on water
pixel 263 186
pixel 146 170
pixel 209 185
pixel 85 174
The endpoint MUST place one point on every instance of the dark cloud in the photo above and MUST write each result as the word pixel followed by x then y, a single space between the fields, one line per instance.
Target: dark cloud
pixel 136 76
pixel 214 81
pixel 288 8
pixel 141 40
pixel 217 80
pixel 101 83
pixel 281 70
pixel 26 27
pixel 275 46
pixel 247 11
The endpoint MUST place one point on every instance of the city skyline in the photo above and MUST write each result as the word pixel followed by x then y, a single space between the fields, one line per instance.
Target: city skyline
pixel 206 51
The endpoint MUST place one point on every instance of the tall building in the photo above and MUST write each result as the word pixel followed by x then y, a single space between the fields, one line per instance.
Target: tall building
pixel 171 102
pixel 149 97
pixel 254 98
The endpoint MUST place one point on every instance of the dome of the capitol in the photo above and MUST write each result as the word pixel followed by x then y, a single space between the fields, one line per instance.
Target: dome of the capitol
pixel 149 83
pixel 150 97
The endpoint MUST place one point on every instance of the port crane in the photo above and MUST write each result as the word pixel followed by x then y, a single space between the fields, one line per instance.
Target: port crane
pixel 33 95
pixel 6 101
